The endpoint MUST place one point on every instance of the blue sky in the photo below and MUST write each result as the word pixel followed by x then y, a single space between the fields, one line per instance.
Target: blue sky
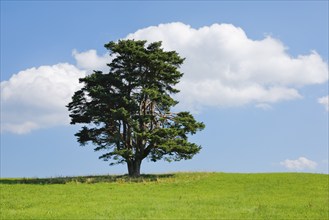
pixel 263 93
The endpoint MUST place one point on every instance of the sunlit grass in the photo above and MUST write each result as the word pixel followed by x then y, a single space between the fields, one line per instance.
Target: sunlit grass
pixel 173 196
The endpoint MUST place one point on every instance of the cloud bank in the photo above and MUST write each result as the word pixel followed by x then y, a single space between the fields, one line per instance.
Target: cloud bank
pixel 226 68
pixel 223 68
pixel 299 164
pixel 36 97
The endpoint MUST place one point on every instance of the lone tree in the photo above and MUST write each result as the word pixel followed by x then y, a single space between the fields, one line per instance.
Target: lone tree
pixel 126 111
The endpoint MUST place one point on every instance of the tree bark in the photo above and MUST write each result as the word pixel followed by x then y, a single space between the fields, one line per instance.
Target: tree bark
pixel 134 167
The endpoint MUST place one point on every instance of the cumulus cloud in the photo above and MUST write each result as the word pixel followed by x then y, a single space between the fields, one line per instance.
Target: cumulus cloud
pixel 299 164
pixel 36 97
pixel 324 101
pixel 90 61
pixel 226 68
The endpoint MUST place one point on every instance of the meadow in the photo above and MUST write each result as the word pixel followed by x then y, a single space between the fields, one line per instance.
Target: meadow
pixel 168 196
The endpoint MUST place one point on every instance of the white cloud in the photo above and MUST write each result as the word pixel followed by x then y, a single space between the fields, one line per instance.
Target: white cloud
pixel 300 164
pixel 324 101
pixel 36 97
pixel 89 60
pixel 226 68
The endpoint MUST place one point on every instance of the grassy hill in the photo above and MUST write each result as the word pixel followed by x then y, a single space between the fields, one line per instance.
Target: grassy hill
pixel 168 196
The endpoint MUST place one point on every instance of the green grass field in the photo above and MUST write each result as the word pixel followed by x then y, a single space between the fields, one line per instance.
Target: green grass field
pixel 170 196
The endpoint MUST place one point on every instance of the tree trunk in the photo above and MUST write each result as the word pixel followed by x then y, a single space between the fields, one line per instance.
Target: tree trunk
pixel 134 167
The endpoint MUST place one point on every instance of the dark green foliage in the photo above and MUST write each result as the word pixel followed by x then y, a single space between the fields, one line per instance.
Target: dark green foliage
pixel 126 111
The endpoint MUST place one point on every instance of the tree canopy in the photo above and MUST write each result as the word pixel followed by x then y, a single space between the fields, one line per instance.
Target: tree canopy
pixel 126 113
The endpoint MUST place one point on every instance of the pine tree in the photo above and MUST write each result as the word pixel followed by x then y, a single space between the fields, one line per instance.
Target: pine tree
pixel 127 112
